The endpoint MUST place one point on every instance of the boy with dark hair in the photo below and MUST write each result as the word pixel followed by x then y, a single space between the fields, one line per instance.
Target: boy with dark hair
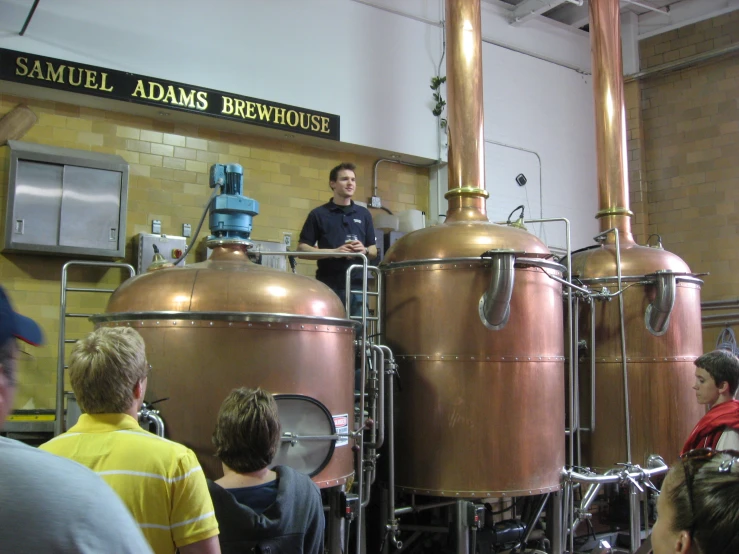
pixel 258 507
pixel 716 381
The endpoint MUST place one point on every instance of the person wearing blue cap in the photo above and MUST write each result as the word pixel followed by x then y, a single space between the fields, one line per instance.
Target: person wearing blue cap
pixel 47 503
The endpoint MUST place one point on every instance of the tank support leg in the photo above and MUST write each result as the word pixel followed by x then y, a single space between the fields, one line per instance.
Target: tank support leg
pixel 554 522
pixel 336 522
pixel 463 528
pixel 634 517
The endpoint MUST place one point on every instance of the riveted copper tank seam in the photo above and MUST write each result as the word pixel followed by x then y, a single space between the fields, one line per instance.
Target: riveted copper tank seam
pixel 610 119
pixel 466 154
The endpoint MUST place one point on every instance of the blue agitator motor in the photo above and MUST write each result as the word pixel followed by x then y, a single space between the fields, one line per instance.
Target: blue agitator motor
pixel 231 212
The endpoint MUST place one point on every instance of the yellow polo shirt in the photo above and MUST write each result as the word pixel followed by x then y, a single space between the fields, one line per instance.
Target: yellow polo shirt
pixel 160 481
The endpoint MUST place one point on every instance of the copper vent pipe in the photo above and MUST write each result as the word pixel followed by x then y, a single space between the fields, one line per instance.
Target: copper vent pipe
pixel 610 118
pixel 466 193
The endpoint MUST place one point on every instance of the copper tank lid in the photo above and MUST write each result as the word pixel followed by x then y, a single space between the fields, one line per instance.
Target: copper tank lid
pixel 463 239
pixel 227 282
pixel 600 262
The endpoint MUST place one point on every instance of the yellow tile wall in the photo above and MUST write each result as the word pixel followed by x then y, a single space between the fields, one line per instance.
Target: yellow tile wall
pixel 169 181
pixel 687 178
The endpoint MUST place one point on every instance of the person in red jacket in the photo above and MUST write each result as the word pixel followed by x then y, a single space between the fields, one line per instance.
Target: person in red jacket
pixel 716 381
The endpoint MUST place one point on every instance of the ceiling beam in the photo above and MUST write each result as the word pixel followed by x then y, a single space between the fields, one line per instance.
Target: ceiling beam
pixel 531 8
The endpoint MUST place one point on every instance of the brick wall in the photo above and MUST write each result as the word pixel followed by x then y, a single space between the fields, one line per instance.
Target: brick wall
pixel 169 181
pixel 688 174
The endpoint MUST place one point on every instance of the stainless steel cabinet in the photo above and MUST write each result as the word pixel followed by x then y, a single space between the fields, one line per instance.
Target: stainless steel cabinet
pixel 64 201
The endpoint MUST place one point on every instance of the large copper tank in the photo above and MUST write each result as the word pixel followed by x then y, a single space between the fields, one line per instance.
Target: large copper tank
pixel 481 410
pixel 662 407
pixel 225 323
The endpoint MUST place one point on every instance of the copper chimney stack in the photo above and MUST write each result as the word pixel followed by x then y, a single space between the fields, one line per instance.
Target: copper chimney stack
pixel 466 193
pixel 610 118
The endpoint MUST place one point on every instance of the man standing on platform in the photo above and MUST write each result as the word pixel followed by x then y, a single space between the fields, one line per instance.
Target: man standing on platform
pixel 716 381
pixel 340 226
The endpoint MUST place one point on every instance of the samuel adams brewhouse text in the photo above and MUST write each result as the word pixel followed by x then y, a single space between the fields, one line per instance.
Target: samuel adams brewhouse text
pixel 118 85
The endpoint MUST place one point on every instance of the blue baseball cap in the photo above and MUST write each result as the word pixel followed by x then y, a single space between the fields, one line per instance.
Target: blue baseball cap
pixel 15 325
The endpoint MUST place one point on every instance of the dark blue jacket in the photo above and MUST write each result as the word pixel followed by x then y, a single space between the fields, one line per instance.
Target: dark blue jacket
pixel 328 225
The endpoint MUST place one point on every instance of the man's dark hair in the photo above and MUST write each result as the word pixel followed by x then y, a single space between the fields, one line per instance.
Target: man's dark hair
pixel 335 171
pixel 713 513
pixel 247 430
pixel 722 366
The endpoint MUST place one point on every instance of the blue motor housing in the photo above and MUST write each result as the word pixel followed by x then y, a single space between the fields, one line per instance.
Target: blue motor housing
pixel 231 212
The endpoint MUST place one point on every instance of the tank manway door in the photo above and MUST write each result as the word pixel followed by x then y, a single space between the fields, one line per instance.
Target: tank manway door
pixel 309 434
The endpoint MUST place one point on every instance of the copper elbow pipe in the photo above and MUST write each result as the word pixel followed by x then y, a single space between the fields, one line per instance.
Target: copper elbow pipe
pixel 610 118
pixel 467 193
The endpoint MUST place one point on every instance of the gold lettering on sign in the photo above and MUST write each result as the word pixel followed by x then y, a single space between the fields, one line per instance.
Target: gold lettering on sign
pixel 36 72
pixel 90 79
pixel 62 73
pixel 71 77
pixel 102 83
pixel 247 109
pixel 21 67
pixel 159 89
pixel 178 96
pixel 280 116
pixel 57 75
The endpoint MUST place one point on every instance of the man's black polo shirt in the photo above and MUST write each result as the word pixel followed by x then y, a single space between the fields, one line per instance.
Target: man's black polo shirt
pixel 328 225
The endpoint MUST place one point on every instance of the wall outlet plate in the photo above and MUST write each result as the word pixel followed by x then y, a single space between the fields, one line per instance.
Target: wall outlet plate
pixel 375 202
pixel 287 238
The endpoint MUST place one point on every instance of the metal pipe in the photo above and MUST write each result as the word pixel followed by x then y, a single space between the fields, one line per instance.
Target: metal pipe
pixel 720 317
pixel 648 7
pixel 28 19
pixel 619 477
pixel 530 524
pixel 722 323
pixel 390 419
pixel 392 161
pixel 623 341
pixel 466 152
pixel 634 518
pixel 554 522
pixel 380 404
pixel 575 339
pixel 463 535
pixel 658 312
pixel 152 416
pixel 415 508
pixel 495 304
pixel 610 118
pixel 592 365
pixel 570 316
pixel 720 304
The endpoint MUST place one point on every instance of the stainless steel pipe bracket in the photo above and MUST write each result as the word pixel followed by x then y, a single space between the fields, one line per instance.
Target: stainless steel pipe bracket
pixel 495 305
pixel 657 314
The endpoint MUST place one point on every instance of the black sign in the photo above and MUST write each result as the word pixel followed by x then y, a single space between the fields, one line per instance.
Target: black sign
pixel 119 85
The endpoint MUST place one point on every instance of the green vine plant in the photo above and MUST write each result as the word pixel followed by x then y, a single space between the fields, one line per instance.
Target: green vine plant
pixel 438 109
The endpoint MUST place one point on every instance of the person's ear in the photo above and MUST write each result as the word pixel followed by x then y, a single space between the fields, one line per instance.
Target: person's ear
pixel 723 387
pixel 683 543
pixel 332 184
pixel 138 389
